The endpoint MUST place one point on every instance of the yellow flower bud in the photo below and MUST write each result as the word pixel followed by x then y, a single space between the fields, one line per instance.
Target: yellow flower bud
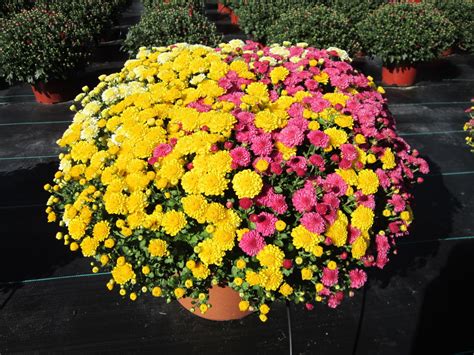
pixel 156 291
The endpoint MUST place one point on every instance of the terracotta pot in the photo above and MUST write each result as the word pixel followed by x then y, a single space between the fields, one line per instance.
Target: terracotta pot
pixel 222 9
pixel 399 76
pixel 225 305
pixel 447 52
pixel 54 91
pixel 234 19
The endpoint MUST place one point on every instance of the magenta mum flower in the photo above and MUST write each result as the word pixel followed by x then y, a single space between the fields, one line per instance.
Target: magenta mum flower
pixel 329 277
pixel 240 156
pixel 318 138
pixel 304 200
pixel 358 278
pixel 265 223
pixel 262 145
pixel 313 222
pixel 251 243
pixel 162 150
pixel 291 136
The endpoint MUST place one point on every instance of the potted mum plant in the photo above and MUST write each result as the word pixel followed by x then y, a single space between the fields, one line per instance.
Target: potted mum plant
pixel 43 48
pixel 461 14
pixel 232 177
pixel 170 24
pixel 319 26
pixel 403 35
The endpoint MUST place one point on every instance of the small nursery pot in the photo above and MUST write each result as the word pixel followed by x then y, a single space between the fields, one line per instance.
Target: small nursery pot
pixel 225 305
pixel 53 91
pixel 399 75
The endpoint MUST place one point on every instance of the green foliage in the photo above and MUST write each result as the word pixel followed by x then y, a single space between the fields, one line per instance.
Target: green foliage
pixel 8 7
pixel 461 14
pixel 197 5
pixel 256 16
pixel 317 25
pixel 405 34
pixel 169 25
pixel 95 15
pixel 37 46
pixel 355 10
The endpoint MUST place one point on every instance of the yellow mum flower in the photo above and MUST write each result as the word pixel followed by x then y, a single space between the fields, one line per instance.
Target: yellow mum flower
pixel 210 253
pixel 123 273
pixel 82 151
pixel 89 246
pixel 362 218
pixel 243 306
pixel 388 159
pixel 76 228
pixel 306 274
pixel 172 170
pixel 158 248
pixel 270 279
pixel 173 222
pixel 368 182
pixel 195 206
pixel 337 137
pixel 201 271
pixel 213 184
pixel 271 256
pixel 278 74
pixel 286 289
pixel 338 230
pixel 247 183
pixel 190 182
pixel 359 247
pixel 252 278
pixel 268 121
pixel 179 292
pixel 344 121
pixel 304 239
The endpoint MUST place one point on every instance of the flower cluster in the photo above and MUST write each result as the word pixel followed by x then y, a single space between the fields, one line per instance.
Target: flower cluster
pixel 274 170
pixel 469 127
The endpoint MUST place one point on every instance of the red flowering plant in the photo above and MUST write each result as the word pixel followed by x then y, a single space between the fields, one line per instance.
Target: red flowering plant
pixel 276 171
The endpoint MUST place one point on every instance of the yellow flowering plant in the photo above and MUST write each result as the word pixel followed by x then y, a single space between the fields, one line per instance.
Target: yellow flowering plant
pixel 275 171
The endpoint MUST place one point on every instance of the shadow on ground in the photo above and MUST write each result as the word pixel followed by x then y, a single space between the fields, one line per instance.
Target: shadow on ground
pixel 29 248
pixel 443 324
pixel 434 207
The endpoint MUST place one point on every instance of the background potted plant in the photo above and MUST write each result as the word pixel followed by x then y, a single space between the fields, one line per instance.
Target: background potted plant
pixel 403 35
pixel 264 173
pixel 256 17
pixel 461 14
pixel 170 24
pixel 43 48
pixel 318 25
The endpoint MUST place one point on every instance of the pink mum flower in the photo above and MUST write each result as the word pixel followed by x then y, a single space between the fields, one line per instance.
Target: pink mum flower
pixel 382 250
pixel 240 156
pixel 335 299
pixel 262 145
pixel 162 150
pixel 398 203
pixel 313 222
pixel 318 138
pixel 335 184
pixel 251 243
pixel 291 136
pixel 349 152
pixel 265 223
pixel 304 200
pixel 358 278
pixel 329 277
